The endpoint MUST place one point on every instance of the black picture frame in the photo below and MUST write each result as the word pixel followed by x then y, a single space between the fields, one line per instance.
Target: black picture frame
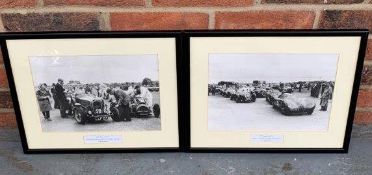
pixel 273 33
pixel 183 83
pixel 89 35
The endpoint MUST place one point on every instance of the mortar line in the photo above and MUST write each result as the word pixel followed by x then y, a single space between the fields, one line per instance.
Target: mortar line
pixel 6 110
pixel 148 3
pixel 4 89
pixel 366 87
pixel 257 2
pixel 186 9
pixel 2 28
pixel 316 19
pixel 39 3
pixel 212 20
pixel 367 62
pixel 363 109
pixel 104 21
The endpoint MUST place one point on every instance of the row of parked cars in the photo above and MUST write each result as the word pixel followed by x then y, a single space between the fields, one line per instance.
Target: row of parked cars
pixel 281 99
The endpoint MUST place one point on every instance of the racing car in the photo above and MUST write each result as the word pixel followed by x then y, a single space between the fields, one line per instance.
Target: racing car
pixel 88 107
pixel 138 108
pixel 271 95
pixel 289 104
pixel 245 95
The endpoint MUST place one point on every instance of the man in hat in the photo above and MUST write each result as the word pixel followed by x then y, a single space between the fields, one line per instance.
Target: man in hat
pixel 122 99
pixel 61 97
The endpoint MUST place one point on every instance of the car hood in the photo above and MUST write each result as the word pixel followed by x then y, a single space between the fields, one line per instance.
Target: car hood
pixel 87 97
pixel 299 103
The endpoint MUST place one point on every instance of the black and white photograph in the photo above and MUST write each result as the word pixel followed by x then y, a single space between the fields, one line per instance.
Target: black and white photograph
pixel 97 93
pixel 271 92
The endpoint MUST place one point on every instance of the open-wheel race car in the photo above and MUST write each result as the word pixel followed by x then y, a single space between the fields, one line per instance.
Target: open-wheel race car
pixel 288 104
pixel 139 108
pixel 88 107
pixel 245 95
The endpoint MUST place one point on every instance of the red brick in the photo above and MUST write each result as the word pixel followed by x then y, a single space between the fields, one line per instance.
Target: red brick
pixel 7 120
pixel 17 3
pixel 367 75
pixel 203 3
pixel 312 1
pixel 5 99
pixel 362 117
pixel 50 22
pixel 265 20
pixel 3 78
pixel 369 50
pixel 336 19
pixel 96 2
pixel 365 98
pixel 158 21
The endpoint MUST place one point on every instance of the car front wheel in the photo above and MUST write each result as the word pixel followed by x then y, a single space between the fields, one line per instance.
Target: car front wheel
pixel 115 115
pixel 79 117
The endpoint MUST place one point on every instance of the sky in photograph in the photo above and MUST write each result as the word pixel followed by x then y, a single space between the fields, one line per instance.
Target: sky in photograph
pixel 94 69
pixel 272 67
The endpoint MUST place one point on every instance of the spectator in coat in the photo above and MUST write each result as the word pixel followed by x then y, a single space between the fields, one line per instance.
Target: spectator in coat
pixel 61 98
pixel 43 96
pixel 326 95
pixel 56 102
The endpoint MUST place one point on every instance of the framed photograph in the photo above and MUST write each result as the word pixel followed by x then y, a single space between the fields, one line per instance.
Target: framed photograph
pixel 273 91
pixel 94 91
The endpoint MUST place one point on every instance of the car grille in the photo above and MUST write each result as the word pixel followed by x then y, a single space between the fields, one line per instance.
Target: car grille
pixel 142 109
pixel 97 105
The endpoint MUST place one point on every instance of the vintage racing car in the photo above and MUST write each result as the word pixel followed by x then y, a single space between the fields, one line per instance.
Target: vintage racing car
pixel 271 95
pixel 88 107
pixel 260 92
pixel 138 108
pixel 289 104
pixel 230 91
pixel 244 95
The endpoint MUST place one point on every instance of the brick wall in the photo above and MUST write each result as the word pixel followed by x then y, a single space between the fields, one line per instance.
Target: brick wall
pixel 94 15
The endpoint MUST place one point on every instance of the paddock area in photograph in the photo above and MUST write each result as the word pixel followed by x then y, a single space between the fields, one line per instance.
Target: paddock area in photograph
pixel 227 115
pixel 69 124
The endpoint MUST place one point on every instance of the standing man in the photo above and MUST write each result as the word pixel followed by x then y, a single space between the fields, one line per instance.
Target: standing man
pixel 326 95
pixel 122 99
pixel 56 102
pixel 61 98
pixel 43 96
